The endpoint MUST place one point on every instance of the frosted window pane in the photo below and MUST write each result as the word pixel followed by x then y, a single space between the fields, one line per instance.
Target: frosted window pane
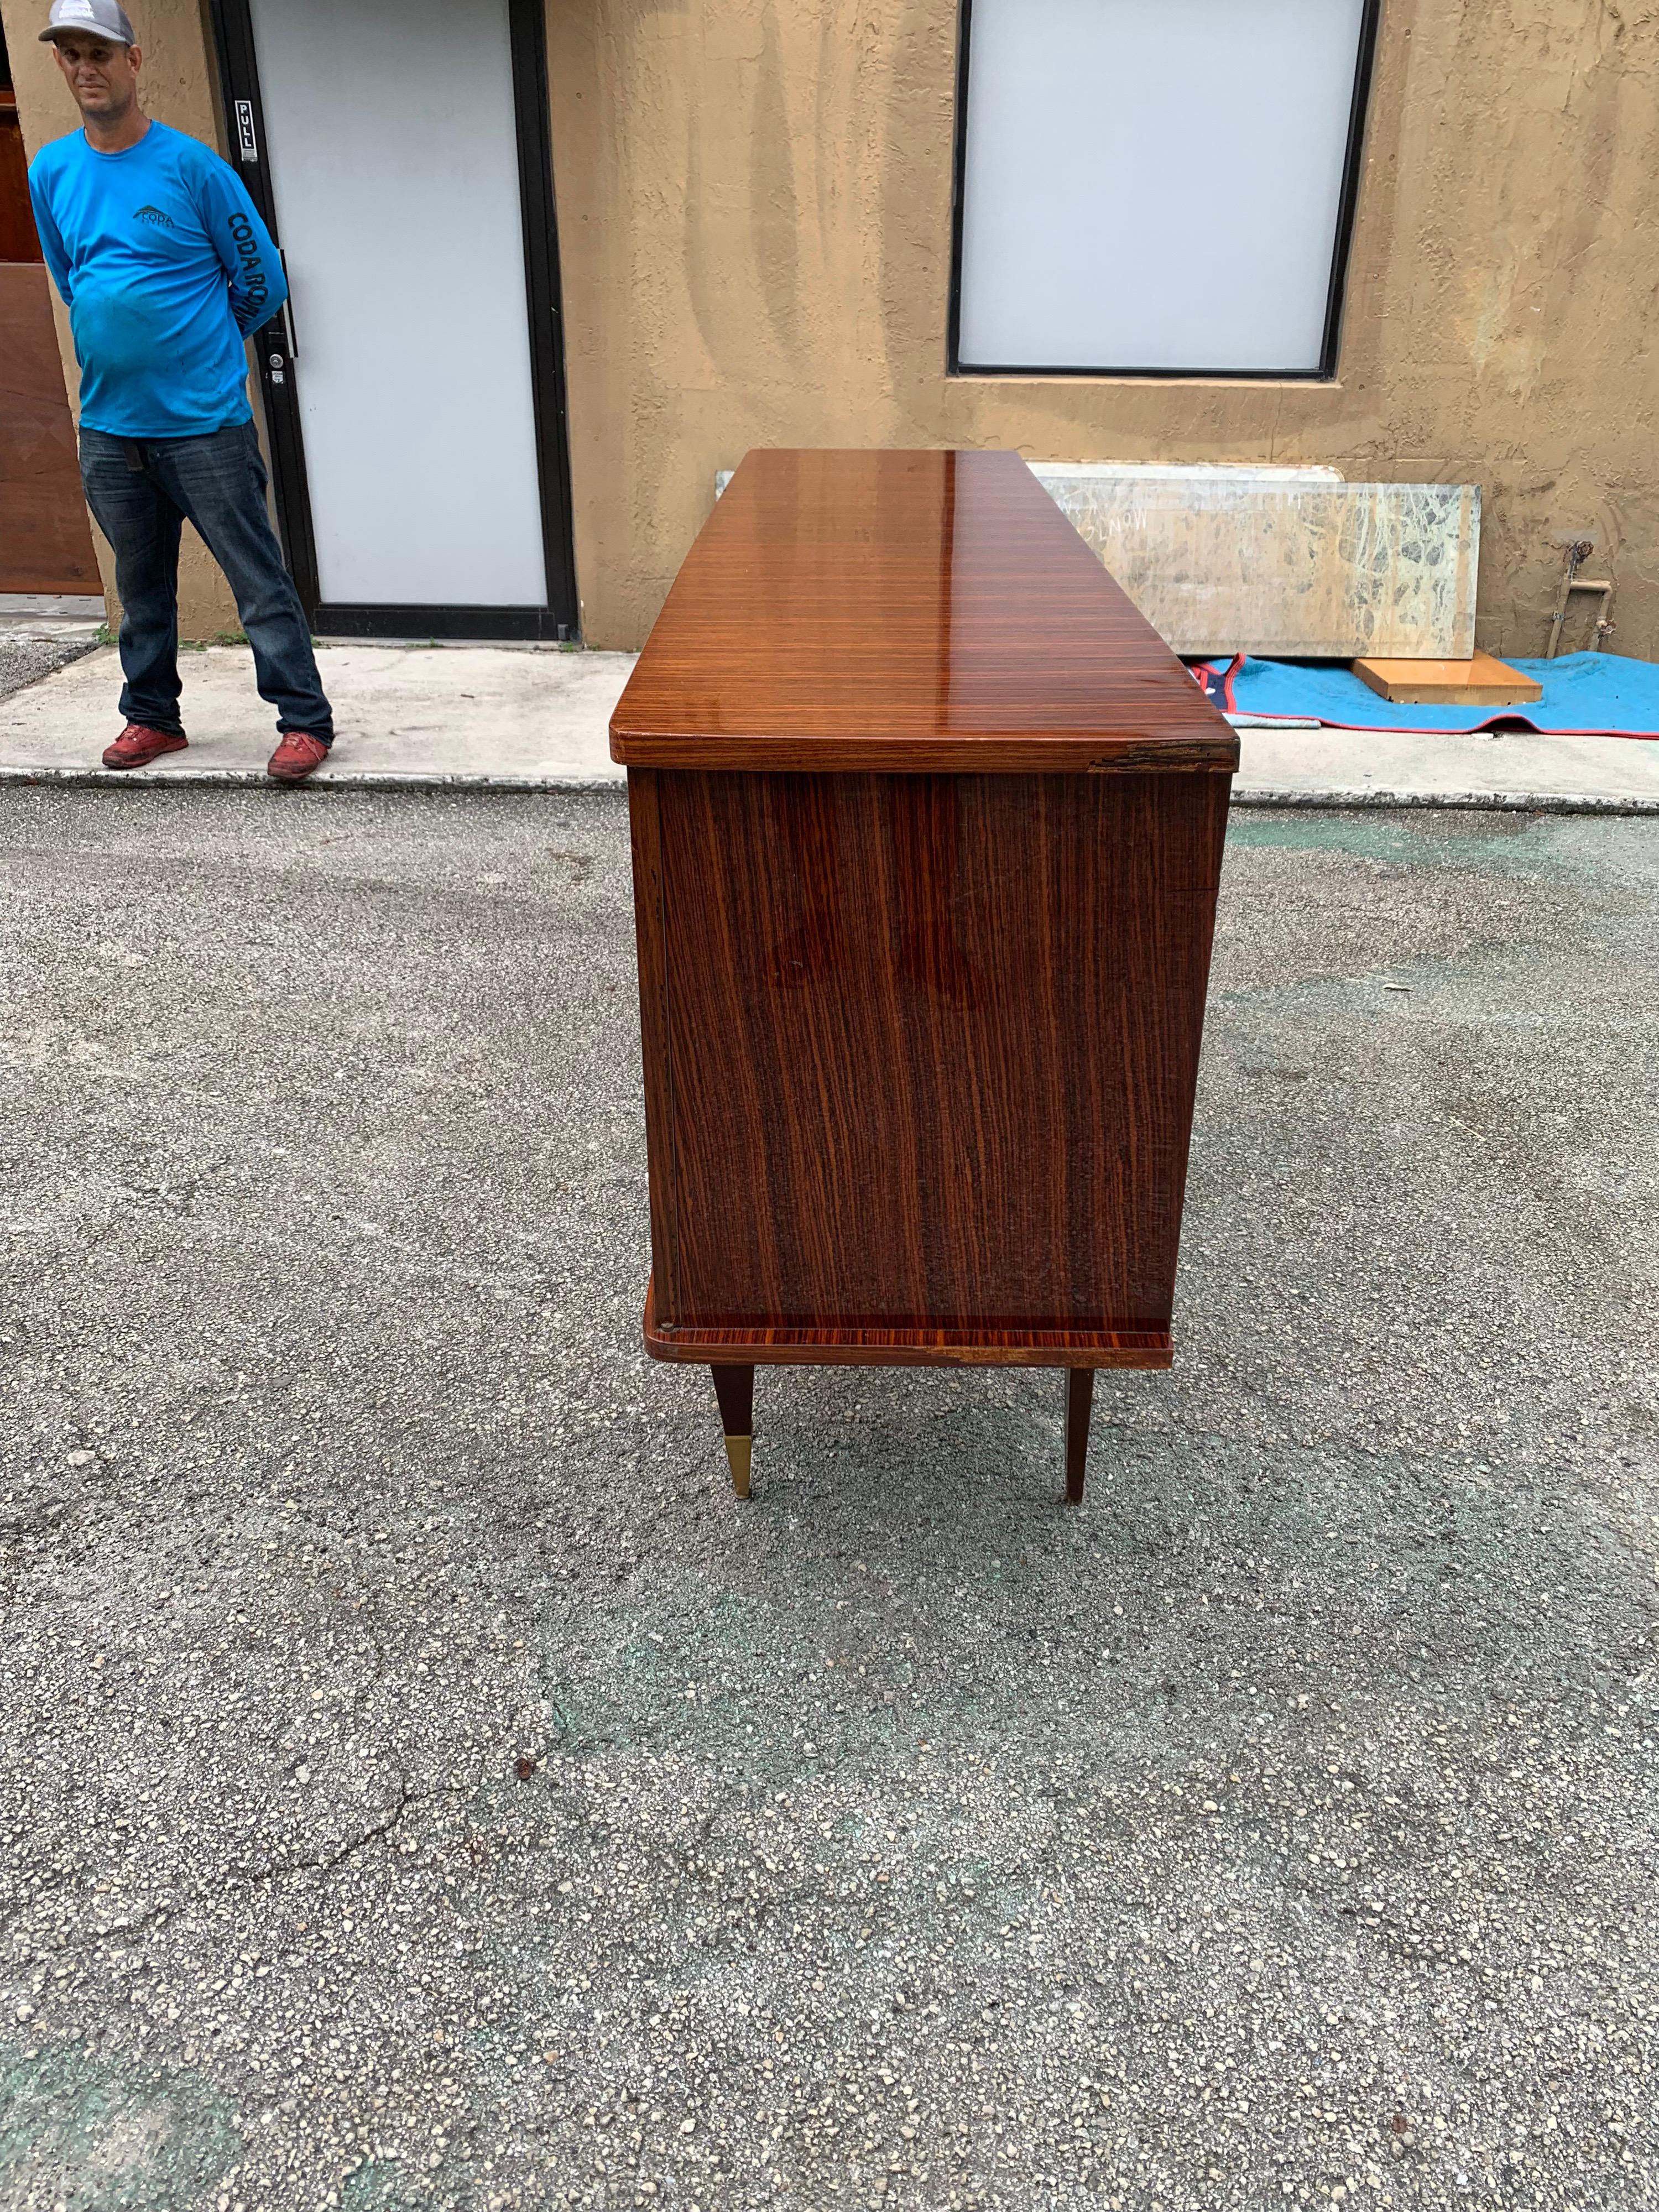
pixel 1153 184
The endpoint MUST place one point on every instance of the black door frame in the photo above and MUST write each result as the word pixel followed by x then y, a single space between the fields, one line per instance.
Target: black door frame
pixel 245 123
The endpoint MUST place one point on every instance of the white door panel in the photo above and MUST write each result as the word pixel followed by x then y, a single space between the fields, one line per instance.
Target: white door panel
pixel 390 134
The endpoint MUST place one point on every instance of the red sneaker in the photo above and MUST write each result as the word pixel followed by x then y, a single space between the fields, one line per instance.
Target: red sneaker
pixel 136 747
pixel 296 757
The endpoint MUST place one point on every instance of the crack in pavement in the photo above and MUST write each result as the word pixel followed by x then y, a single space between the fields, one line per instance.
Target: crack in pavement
pixel 406 1797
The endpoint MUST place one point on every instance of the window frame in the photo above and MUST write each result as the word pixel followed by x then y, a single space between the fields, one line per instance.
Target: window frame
pixel 1347 207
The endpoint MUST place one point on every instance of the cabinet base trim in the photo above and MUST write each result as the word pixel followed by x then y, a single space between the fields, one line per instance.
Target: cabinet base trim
pixel 905 1347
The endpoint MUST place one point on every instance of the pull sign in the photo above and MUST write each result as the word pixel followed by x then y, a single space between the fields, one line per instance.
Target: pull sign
pixel 246 144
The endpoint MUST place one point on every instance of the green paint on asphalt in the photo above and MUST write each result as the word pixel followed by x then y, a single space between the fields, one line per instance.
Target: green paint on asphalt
pixel 1508 844
pixel 376 2186
pixel 1430 841
pixel 88 2134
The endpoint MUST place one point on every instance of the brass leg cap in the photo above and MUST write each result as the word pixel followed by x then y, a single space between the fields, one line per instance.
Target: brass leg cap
pixel 738 1451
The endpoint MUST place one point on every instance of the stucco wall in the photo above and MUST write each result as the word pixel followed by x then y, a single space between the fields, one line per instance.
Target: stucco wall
pixel 754 207
pixel 755 197
pixel 177 90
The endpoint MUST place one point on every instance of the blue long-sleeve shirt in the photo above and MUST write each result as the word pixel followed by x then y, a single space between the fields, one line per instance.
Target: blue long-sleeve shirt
pixel 165 266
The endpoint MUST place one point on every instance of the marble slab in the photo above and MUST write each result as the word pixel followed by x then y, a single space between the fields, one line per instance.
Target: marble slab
pixel 1294 564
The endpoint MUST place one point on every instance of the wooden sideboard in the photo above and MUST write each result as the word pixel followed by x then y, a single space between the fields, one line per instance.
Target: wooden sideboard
pixel 928 826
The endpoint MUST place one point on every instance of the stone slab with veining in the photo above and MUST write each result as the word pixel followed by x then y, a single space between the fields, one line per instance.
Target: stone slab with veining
pixel 1291 564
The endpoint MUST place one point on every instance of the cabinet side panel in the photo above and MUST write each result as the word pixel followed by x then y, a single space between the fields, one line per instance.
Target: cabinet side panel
pixel 934 1041
pixel 1213 800
pixel 644 821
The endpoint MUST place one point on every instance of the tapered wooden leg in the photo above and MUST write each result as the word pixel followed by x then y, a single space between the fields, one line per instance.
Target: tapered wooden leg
pixel 1080 1404
pixel 735 1389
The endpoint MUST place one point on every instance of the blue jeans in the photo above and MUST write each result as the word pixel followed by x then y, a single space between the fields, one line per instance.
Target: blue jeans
pixel 143 491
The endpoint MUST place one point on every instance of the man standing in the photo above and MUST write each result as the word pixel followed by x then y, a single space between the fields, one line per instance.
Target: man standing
pixel 165 267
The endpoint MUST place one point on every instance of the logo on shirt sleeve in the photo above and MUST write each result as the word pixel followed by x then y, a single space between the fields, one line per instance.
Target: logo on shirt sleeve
pixel 253 274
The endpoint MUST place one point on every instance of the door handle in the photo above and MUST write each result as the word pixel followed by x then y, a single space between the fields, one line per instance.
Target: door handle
pixel 288 304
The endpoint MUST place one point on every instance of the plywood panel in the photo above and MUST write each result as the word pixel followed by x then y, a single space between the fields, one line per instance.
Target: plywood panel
pixel 46 540
pixel 18 240
pixel 1481 682
pixel 1245 561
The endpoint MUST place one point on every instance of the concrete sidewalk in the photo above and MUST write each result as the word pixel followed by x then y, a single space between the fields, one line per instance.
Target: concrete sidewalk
pixel 516 720
pixel 502 716
pixel 1507 768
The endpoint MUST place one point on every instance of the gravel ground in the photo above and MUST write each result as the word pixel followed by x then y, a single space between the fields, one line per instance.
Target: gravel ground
pixel 421 1784
pixel 25 660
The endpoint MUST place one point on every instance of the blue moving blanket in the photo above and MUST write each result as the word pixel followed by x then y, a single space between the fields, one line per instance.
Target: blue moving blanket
pixel 1585 694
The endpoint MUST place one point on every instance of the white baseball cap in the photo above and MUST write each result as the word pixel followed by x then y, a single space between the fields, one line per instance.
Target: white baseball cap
pixel 99 19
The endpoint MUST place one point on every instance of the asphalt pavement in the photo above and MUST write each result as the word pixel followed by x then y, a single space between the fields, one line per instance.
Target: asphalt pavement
pixel 421 1784
pixel 27 656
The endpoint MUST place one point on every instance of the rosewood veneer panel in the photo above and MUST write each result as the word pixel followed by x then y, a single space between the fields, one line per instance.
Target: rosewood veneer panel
pixel 928 1049
pixel 45 539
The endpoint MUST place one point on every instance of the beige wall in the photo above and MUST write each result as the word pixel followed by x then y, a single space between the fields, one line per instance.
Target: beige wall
pixel 176 89
pixel 754 207
pixel 755 201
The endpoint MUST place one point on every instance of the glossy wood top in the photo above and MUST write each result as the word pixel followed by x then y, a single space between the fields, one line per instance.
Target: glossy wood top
pixel 920 611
